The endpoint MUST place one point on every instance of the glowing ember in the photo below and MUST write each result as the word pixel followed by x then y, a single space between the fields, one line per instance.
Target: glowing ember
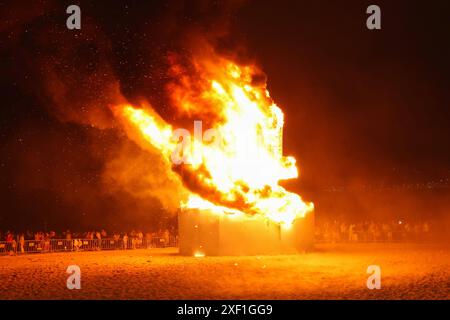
pixel 199 254
pixel 236 166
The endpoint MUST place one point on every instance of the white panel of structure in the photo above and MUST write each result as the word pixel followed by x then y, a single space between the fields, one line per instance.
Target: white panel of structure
pixel 202 232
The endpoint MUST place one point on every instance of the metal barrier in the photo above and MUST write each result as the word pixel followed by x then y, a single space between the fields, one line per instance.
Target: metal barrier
pixel 5 247
pixel 111 244
pixel 64 245
pixel 59 245
pixel 33 246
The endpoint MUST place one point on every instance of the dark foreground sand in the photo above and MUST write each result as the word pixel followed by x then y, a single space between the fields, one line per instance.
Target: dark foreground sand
pixel 331 272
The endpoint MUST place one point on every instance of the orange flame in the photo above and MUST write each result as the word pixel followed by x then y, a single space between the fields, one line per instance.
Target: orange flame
pixel 235 166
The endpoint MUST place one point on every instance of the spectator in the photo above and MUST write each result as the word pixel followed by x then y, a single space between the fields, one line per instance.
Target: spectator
pixel 125 241
pixel 98 237
pixel 77 244
pixel 22 243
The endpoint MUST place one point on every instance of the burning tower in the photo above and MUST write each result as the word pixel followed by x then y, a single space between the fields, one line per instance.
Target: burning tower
pixel 231 171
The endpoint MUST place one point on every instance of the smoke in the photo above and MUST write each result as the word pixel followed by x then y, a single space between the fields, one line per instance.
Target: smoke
pixel 73 79
pixel 125 172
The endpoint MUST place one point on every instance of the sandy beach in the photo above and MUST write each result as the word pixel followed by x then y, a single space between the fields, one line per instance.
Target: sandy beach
pixel 409 271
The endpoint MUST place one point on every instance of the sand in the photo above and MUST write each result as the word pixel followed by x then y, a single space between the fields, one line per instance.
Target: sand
pixel 330 272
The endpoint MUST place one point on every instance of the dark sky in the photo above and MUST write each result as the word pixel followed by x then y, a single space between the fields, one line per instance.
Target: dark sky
pixel 356 99
pixel 362 107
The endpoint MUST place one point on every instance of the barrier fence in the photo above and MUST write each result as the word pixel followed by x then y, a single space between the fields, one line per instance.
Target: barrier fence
pixel 63 245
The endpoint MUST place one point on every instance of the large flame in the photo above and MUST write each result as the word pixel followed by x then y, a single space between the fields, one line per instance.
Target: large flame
pixel 236 164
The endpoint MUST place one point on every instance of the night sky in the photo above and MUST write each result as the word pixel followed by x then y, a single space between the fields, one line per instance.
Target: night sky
pixel 366 111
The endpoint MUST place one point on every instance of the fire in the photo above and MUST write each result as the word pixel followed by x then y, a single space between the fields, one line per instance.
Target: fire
pixel 199 254
pixel 236 165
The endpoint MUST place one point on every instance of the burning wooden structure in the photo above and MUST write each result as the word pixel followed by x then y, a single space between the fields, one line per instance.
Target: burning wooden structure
pixel 205 233
pixel 229 173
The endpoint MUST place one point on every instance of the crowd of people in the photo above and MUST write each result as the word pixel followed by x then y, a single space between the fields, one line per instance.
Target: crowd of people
pixel 328 231
pixel 16 242
pixel 372 231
